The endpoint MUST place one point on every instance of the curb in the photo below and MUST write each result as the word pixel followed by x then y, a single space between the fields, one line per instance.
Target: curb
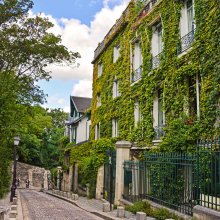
pixel 101 215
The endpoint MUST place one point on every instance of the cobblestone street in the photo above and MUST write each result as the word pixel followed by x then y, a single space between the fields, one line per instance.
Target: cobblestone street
pixel 40 206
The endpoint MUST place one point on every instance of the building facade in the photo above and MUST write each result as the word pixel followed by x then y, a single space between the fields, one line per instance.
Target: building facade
pixel 156 71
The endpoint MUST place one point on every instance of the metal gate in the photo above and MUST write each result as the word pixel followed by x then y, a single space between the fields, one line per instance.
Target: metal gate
pixel 109 175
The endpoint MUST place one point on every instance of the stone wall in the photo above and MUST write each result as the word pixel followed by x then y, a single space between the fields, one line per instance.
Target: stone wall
pixel 203 213
pixel 37 176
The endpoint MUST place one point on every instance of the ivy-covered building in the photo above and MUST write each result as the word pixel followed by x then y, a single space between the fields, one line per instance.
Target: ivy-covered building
pixel 157 74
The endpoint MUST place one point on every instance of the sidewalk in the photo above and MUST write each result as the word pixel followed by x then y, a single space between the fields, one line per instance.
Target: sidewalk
pixel 95 207
pixel 5 205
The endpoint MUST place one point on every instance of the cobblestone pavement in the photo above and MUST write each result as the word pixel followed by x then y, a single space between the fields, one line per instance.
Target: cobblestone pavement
pixel 96 205
pixel 40 206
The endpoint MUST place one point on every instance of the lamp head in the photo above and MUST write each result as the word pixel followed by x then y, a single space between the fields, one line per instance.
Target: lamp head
pixel 16 141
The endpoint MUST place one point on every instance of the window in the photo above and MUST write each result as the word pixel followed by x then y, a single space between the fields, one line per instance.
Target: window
pixel 137 61
pixel 157 44
pixel 137 113
pixel 114 127
pixel 187 27
pixel 194 95
pixel 116 53
pixel 88 127
pixel 98 100
pixel 190 16
pixel 73 134
pixel 97 131
pixel 100 67
pixel 158 114
pixel 115 90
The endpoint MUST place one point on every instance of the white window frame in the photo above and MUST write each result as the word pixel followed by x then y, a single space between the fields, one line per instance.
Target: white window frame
pixel 116 53
pixel 100 69
pixel 185 26
pixel 157 42
pixel 115 89
pixel 157 109
pixel 114 127
pixel 137 59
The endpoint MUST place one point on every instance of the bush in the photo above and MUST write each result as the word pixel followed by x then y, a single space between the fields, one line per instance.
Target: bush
pixel 141 206
pixel 162 214
pixel 144 206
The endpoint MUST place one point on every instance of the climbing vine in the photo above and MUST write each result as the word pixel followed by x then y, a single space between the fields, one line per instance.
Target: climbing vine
pixel 172 76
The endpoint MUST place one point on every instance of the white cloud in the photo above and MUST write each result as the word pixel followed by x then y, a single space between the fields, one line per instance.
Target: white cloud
pixel 83 88
pixel 84 39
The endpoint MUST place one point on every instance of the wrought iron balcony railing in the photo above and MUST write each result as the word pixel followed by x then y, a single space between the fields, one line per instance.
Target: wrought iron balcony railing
pixel 156 61
pixel 185 42
pixel 137 74
pixel 159 132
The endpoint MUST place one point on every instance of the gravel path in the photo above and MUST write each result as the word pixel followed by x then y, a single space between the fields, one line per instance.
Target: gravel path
pixel 40 206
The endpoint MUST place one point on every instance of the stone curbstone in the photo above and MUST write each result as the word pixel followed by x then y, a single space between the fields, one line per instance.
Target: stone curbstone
pixel 120 212
pixel 140 216
pixel 15 201
pixel 106 207
pixel 14 207
pixel 12 214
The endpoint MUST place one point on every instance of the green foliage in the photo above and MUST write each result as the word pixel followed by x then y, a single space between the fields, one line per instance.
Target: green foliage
pixel 186 131
pixel 90 156
pixel 141 206
pixel 172 77
pixel 26 49
pixel 158 213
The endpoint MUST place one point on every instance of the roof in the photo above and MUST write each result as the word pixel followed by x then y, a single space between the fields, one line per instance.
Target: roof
pixel 81 103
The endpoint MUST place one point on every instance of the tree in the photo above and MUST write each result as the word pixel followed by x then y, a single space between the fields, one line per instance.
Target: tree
pixel 26 49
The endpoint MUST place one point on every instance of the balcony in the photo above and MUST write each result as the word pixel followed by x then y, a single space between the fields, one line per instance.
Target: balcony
pixel 185 42
pixel 156 61
pixel 137 75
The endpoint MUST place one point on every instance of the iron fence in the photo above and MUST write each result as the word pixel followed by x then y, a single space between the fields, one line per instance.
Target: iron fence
pixel 176 180
pixel 209 173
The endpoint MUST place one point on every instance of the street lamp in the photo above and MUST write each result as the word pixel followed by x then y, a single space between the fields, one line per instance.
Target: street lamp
pixel 13 187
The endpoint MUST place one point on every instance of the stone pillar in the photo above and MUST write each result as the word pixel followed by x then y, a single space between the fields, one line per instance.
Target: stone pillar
pixel 30 178
pixel 75 178
pixel 46 179
pixel 122 154
pixel 70 178
pixel 100 183
pixel 58 177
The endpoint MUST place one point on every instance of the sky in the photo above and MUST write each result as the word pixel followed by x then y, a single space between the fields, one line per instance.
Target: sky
pixel 82 24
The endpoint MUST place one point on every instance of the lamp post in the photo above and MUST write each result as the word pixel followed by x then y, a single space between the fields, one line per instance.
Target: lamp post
pixel 13 187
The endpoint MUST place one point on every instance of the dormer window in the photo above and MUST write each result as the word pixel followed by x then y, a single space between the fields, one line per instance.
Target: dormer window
pixel 136 61
pixel 116 53
pixel 100 67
